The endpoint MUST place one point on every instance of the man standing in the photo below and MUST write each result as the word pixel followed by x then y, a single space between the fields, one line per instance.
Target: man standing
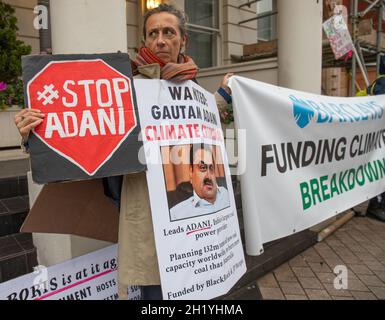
pixel 207 197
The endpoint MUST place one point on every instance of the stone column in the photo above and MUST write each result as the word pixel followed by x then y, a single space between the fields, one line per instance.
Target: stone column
pixel 300 44
pixel 79 26
pixel 96 26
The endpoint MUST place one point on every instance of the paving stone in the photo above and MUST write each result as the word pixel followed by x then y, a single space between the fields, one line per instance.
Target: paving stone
pixel 381 244
pixel 342 298
pixel 358 249
pixel 378 291
pixel 248 292
pixel 268 281
pixel 310 283
pixel 366 244
pixel 342 234
pixel 350 242
pixel 310 252
pixel 355 247
pixel 352 275
pixel 375 238
pixel 356 285
pixel 358 236
pixel 321 246
pixel 381 257
pixel 328 254
pixel 381 275
pixel 332 263
pixel 375 266
pixel 284 273
pixel 326 277
pixel 373 222
pixel 298 261
pixel 371 280
pixel 358 295
pixel 296 297
pixel 304 272
pixel 359 246
pixel 343 251
pixel 350 258
pixel 375 251
pixel 315 294
pixel 319 267
pixel 272 293
pixel 363 228
pixel 337 292
pixel 291 288
pixel 360 269
pixel 335 243
pixel 366 256
pixel 331 237
pixel 311 256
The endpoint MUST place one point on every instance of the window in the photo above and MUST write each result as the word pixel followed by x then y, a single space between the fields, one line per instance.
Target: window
pixel 203 30
pixel 267 23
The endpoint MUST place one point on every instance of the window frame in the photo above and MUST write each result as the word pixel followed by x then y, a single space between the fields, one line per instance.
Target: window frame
pixel 215 32
pixel 272 22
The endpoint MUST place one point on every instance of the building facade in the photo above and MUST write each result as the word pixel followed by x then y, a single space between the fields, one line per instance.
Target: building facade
pixel 218 33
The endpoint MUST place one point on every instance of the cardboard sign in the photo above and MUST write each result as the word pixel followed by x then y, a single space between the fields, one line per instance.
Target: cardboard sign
pixel 190 188
pixel 89 277
pixel 338 35
pixel 78 207
pixel 90 123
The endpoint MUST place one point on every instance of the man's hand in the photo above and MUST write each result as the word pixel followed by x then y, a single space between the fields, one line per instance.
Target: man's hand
pixel 27 119
pixel 225 82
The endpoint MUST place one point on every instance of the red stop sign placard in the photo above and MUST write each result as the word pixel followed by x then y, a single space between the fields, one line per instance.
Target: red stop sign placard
pixel 88 107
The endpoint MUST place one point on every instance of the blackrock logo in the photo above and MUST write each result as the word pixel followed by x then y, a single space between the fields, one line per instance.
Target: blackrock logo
pixel 306 111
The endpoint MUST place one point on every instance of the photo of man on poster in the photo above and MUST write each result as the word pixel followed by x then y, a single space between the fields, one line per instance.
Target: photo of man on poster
pixel 208 197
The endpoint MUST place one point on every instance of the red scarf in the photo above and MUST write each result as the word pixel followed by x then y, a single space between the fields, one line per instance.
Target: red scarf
pixel 185 69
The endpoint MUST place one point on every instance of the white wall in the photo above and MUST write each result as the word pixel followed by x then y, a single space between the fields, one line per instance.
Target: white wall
pixel 88 27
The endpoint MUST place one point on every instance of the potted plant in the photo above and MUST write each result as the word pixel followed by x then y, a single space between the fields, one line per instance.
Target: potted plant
pixel 11 85
pixel 227 119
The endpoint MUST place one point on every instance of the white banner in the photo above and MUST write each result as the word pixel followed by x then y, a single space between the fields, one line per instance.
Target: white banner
pixel 195 220
pixel 308 157
pixel 89 277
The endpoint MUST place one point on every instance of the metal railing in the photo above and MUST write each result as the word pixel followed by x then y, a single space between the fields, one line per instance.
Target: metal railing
pixel 356 15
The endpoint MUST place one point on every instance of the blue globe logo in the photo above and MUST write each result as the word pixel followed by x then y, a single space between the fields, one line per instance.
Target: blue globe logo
pixel 303 113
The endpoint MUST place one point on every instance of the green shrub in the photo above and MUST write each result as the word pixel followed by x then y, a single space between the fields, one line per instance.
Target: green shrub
pixel 11 50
